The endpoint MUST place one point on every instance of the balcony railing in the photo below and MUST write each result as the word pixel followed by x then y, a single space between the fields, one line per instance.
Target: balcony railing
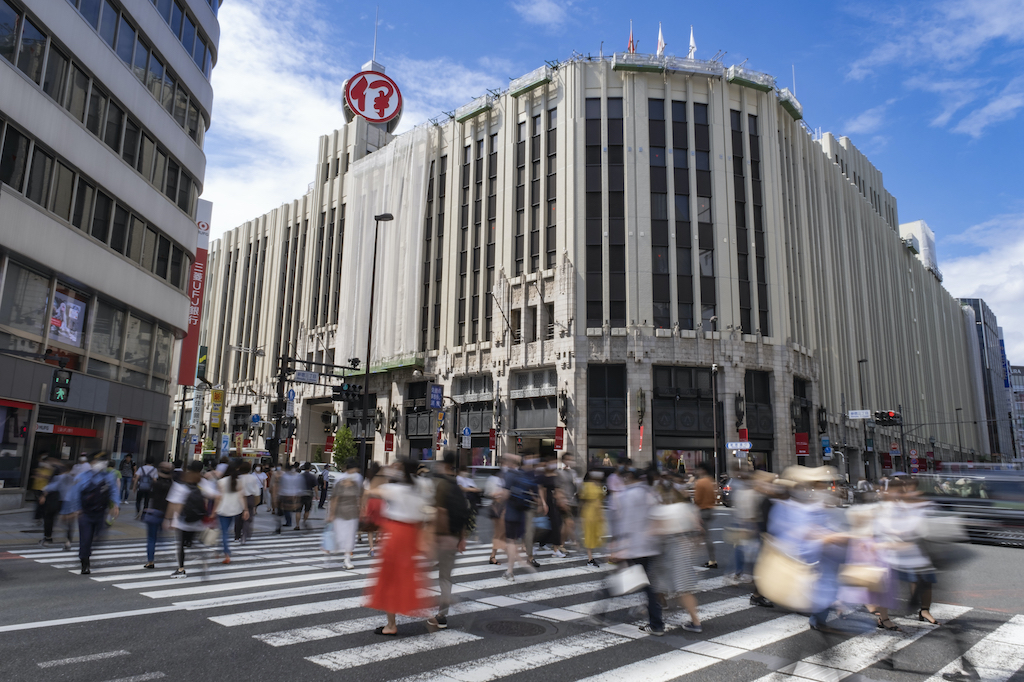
pixel 625 61
pixel 474 108
pixel 534 79
pixel 750 78
pixel 789 102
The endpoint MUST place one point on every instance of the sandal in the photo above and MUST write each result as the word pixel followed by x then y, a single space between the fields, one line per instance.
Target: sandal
pixel 885 623
pixel 493 561
pixel 380 631
pixel 928 619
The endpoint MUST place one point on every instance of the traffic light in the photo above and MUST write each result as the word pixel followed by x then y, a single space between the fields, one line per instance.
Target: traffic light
pixel 348 393
pixel 60 386
pixel 888 418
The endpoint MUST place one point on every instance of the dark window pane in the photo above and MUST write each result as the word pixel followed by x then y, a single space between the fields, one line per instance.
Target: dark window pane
pixel 682 207
pixel 8 31
pixel 171 189
pixel 163 256
pixel 90 9
pixel 63 184
pixel 135 238
pixel 155 79
pixel 39 177
pixel 149 250
pixel 684 264
pixel 593 107
pixel 120 229
pixel 14 160
pixel 101 217
pixel 679 112
pixel 180 106
pixel 168 95
pixel 614 107
pixel 115 119
pixel 159 170
pixel 700 114
pixel 33 46
pixel 657 156
pixel 141 60
pixel 131 143
pixel 184 193
pixel 146 152
pixel 199 56
pixel 108 23
pixel 83 205
pixel 56 75
pixel 175 18
pixel 188 34
pixel 97 108
pixel 193 121
pixel 125 41
pixel 176 259
pixel 656 109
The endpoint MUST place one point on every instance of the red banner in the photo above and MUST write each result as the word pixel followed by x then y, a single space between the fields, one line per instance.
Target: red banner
pixel 743 435
pixel 389 442
pixel 492 439
pixel 887 461
pixel 803 444
pixel 194 291
pixel 559 437
pixel 329 445
pixel 65 430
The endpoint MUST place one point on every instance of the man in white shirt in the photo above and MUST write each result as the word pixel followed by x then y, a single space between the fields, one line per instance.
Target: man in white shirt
pixel 251 489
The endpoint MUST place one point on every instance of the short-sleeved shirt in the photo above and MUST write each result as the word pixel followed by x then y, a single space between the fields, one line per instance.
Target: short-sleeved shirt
pixel 522 479
pixel 179 493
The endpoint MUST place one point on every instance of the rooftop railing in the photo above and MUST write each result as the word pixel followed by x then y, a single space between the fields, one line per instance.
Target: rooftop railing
pixel 474 108
pixel 534 79
pixel 750 78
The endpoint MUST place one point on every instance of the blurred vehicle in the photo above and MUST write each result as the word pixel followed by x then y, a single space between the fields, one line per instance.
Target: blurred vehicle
pixel 726 490
pixel 991 503
pixel 332 471
pixel 864 492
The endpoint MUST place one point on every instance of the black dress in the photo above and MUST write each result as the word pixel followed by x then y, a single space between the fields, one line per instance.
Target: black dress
pixel 554 537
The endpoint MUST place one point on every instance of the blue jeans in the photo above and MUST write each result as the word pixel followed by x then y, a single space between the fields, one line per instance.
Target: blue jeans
pixel 152 535
pixel 226 522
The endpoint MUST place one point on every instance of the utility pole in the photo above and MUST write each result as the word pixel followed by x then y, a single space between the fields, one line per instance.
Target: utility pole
pixel 863 406
pixel 903 439
pixel 274 444
pixel 181 424
pixel 959 438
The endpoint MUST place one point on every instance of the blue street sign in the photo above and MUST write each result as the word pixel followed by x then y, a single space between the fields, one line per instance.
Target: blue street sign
pixel 466 431
pixel 255 419
pixel 225 444
pixel 436 396
pixel 291 394
pixel 825 442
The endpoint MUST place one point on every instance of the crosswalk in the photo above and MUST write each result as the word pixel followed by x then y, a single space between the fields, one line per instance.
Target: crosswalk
pixel 284 593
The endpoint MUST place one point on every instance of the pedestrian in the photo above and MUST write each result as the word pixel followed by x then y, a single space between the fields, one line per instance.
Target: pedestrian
pixel 155 514
pixel 80 466
pixel 521 496
pixel 49 501
pixel 41 477
pixel 231 504
pixel 289 492
pixel 251 496
pixel 323 482
pixel 372 505
pixel 592 513
pixel 676 525
pixel 705 496
pixel 548 484
pixel 473 494
pixel 763 492
pixel 494 490
pixel 126 471
pixel 343 512
pixel 63 484
pixel 450 521
pixel 274 489
pixel 568 487
pixel 400 579
pixel 187 508
pixel 308 483
pixel 94 495
pixel 143 484
pixel 903 525
pixel 533 468
pixel 261 476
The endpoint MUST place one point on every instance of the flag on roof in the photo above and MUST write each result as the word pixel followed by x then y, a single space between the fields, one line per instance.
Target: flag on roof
pixel 661 42
pixel 692 54
pixel 631 46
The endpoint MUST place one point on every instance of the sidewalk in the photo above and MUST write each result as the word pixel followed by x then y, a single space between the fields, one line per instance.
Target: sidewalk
pixel 19 530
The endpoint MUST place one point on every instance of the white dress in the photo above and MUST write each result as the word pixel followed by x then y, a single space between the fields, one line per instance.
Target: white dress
pixel 346 496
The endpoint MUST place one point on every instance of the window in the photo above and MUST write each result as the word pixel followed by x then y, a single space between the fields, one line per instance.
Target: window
pixel 188 35
pixel 131 143
pixel 147 152
pixel 101 217
pixel 25 300
pixel 177 255
pixel 164 344
pixel 97 107
pixel 175 19
pixel 171 188
pixel 159 169
pixel 33 46
pixel 138 342
pixel 180 106
pixel 167 100
pixel 107 330
pixel 199 56
pixel 155 79
pixel 8 31
pixel 136 236
pixel 149 250
pixel 115 120
pixel 14 159
pixel 39 177
pixel 63 186
pixel 193 122
pixel 185 189
pixel 141 60
pixel 77 94
pixel 126 41
pixel 83 205
pixel 119 233
pixel 108 23
pixel 56 75
pixel 163 253
pixel 90 9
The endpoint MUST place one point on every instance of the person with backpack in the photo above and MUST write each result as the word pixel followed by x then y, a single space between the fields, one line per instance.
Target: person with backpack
pixel 450 522
pixel 308 479
pixel 186 508
pixel 231 504
pixel 153 516
pixel 323 482
pixel 127 473
pixel 521 495
pixel 50 502
pixel 94 494
pixel 143 485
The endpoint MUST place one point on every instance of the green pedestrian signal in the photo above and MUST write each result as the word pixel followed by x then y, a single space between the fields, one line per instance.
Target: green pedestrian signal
pixel 60 386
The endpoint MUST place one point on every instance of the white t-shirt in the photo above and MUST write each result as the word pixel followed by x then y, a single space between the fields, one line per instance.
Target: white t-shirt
pixel 262 476
pixel 146 470
pixel 465 482
pixel 231 503
pixel 403 502
pixel 251 485
pixel 179 493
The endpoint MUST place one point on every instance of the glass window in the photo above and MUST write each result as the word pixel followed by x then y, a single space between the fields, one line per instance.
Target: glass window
pixel 130 151
pixel 14 159
pixel 193 121
pixel 149 250
pixel 141 59
pixel 120 229
pixel 184 193
pixel 97 107
pixel 103 370
pixel 146 153
pixel 26 299
pixel 56 75
pixel 171 188
pixel 175 19
pixel 134 378
pixel 176 258
pixel 77 93
pixel 33 46
pixel 107 329
pixel 164 8
pixel 63 187
pixel 159 169
pixel 90 9
pixel 83 205
pixel 125 41
pixel 180 106
pixel 188 34
pixel 707 263
pixel 164 344
pixel 115 119
pixel 155 80
pixel 703 209
pixel 163 255
pixel 39 177
pixel 8 31
pixel 136 236
pixel 657 156
pixel 199 57
pixel 138 342
pixel 167 101
pixel 108 23
pixel 101 217
pixel 67 321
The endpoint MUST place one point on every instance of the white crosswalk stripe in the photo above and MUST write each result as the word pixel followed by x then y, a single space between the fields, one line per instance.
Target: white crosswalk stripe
pixel 284 592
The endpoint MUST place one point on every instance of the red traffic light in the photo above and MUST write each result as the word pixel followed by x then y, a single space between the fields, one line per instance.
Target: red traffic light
pixel 891 414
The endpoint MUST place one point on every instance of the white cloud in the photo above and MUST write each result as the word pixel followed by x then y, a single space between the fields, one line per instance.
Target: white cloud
pixel 542 12
pixel 868 121
pixel 1002 107
pixel 433 86
pixel 272 101
pixel 993 274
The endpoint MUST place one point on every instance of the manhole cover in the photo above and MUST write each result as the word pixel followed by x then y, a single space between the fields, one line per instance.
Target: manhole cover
pixel 515 628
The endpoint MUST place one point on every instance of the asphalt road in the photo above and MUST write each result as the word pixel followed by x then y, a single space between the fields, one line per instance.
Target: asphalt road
pixel 278 613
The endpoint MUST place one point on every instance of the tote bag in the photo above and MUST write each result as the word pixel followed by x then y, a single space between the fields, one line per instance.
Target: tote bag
pixel 627 580
pixel 783 579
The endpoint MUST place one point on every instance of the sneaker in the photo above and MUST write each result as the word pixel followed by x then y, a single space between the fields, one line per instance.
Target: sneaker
pixel 227 560
pixel 149 565
pixel 508 576
pixel 711 564
pixel 534 563
pixel 67 545
pixel 746 578
pixel 559 554
pixel 45 542
pixel 651 631
pixel 758 600
pixel 180 573
pixel 690 627
pixel 440 622
pixel 348 565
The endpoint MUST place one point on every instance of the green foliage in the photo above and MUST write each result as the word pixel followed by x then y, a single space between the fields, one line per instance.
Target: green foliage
pixel 208 444
pixel 344 447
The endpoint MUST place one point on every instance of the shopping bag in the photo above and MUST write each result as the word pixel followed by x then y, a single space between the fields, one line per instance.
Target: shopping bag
pixel 327 541
pixel 861 575
pixel 627 580
pixel 210 537
pixel 783 579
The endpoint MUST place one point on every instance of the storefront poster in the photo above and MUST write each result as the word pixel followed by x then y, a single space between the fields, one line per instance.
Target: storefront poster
pixel 67 320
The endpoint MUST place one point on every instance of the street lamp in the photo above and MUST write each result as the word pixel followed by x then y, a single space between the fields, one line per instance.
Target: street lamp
pixel 377 220
pixel 959 439
pixel 714 393
pixel 863 406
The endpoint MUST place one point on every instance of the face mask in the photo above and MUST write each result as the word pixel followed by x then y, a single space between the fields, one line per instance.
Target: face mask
pixel 99 466
pixel 551 467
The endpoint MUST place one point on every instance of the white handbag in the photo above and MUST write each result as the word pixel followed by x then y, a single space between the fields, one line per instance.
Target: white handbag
pixel 627 580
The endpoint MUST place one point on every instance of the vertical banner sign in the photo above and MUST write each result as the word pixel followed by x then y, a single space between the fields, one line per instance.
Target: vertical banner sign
pixel 559 437
pixel 198 405
pixel 389 442
pixel 802 443
pixel 194 291
pixel 492 439
pixel 201 366
pixel 216 408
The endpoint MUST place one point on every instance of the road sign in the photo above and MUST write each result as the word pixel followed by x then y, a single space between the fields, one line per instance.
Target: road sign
pixel 389 442
pixel 289 411
pixel 860 414
pixel 492 439
pixel 559 437
pixel 304 377
pixel 195 439
pixel 467 438
pixel 255 419
pixel 827 454
pixel 913 453
pixel 913 464
pixel 436 396
pixel 291 394
pixel 373 96
pixel 739 445
pixel 225 444
pixel 440 417
pixel 825 442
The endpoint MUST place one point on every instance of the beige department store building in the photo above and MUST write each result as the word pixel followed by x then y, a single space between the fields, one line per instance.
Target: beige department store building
pixel 600 251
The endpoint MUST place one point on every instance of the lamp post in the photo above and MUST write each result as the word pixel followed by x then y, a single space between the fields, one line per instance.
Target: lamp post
pixel 959 438
pixel 714 393
pixel 377 220
pixel 863 406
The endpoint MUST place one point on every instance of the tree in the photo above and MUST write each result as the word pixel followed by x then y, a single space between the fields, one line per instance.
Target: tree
pixel 344 446
pixel 208 444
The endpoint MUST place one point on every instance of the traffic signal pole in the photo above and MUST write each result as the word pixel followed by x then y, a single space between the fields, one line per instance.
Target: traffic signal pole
pixel 369 342
pixel 903 440
pixel 274 444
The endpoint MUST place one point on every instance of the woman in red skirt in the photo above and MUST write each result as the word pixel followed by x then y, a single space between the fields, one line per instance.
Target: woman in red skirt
pixel 400 581
pixel 370 519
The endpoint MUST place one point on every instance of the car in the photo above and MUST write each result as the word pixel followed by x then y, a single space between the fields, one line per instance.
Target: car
pixel 332 471
pixel 990 503
pixel 726 491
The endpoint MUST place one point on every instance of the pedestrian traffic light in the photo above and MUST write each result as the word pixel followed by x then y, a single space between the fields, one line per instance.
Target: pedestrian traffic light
pixel 60 386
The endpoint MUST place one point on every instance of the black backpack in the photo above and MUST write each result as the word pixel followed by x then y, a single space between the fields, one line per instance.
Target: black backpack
pixel 96 494
pixel 457 506
pixel 519 494
pixel 194 509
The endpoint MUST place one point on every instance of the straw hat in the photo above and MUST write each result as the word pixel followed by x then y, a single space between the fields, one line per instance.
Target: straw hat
pixel 801 474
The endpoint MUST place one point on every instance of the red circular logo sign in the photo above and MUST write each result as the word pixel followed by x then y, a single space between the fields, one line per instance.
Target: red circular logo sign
pixel 373 96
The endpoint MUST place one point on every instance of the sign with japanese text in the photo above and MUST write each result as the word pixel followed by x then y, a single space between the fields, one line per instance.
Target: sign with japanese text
pixel 373 96
pixel 216 408
pixel 436 396
pixel 389 442
pixel 194 291
pixel 492 439
pixel 802 444
pixel 559 437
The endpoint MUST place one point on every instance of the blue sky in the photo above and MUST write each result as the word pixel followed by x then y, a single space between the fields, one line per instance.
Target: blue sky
pixel 932 92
